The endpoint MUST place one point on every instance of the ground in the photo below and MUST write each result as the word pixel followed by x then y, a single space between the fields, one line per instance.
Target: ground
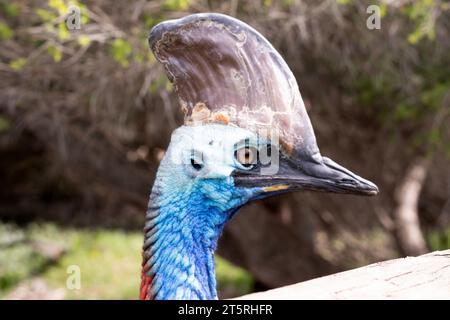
pixel 35 264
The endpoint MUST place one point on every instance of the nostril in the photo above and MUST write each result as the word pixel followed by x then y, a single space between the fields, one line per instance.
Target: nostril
pixel 348 181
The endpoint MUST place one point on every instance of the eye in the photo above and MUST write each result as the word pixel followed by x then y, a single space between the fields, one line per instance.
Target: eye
pixel 265 154
pixel 246 156
pixel 197 160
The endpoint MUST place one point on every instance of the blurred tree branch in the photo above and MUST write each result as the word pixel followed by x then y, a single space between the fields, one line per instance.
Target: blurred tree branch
pixel 407 226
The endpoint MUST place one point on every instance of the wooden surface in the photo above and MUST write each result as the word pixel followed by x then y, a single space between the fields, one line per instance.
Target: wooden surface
pixel 423 277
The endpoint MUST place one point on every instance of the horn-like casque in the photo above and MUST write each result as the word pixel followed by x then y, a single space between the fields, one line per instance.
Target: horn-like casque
pixel 225 71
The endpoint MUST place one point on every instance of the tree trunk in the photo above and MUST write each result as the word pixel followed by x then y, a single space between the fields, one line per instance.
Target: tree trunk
pixel 407 226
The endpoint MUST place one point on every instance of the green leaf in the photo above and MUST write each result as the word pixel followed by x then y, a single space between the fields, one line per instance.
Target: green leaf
pixel 11 9
pixel 169 86
pixel 268 3
pixel 63 33
pixel 232 277
pixel 156 84
pixel 18 64
pixel 45 15
pixel 84 40
pixel 55 52
pixel 420 12
pixel 434 136
pixel 121 50
pixel 5 124
pixel 439 239
pixel 404 111
pixel 6 32
pixel 344 2
pixel 383 10
pixel 434 96
pixel 287 3
pixel 58 5
pixel 84 19
pixel 150 21
pixel 178 5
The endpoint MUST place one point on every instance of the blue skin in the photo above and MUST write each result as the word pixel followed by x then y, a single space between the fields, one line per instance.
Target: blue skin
pixel 188 209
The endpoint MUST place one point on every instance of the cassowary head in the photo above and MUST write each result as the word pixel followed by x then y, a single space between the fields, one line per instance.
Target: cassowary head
pixel 246 136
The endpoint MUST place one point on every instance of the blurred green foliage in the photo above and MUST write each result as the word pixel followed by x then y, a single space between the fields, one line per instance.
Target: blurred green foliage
pixel 151 20
pixel 18 64
pixel 176 5
pixel 5 32
pixel 344 2
pixel 16 262
pixel 121 50
pixel 439 239
pixel 84 40
pixel 52 18
pixel 109 261
pixel 232 279
pixel 5 124
pixel 421 12
pixel 55 52
pixel 10 9
pixel 160 83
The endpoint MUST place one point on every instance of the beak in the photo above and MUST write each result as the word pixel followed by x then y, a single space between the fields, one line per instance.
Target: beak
pixel 296 174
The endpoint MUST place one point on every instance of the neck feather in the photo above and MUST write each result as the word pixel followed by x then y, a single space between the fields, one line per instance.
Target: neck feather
pixel 181 235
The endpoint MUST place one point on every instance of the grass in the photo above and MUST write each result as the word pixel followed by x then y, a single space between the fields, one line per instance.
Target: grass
pixel 232 280
pixel 12 258
pixel 109 261
pixel 439 239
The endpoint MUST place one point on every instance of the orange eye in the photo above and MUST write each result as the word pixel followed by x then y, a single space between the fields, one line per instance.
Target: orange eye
pixel 246 156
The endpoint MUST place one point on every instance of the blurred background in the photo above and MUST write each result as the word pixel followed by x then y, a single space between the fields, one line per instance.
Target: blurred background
pixel 86 115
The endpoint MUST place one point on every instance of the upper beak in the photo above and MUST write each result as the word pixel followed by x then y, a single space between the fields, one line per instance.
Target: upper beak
pixel 297 174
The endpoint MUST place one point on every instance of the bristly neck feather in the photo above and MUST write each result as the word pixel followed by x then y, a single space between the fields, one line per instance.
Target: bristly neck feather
pixel 181 233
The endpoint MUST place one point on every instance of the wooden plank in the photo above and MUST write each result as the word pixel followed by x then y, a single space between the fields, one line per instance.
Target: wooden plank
pixel 423 277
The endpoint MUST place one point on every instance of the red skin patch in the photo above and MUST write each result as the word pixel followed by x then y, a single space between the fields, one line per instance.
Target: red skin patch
pixel 146 283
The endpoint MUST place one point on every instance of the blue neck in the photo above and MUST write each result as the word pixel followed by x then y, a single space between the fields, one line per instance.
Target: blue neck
pixel 182 230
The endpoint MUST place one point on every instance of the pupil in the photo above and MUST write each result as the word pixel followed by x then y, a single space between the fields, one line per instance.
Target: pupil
pixel 196 160
pixel 269 151
pixel 247 156
pixel 197 166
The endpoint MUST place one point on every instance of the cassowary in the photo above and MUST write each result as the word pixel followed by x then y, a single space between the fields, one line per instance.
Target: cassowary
pixel 246 136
